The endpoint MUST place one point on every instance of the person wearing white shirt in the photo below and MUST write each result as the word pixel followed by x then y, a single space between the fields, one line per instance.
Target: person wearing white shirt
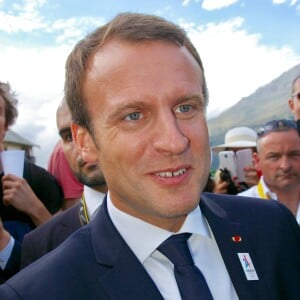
pixel 278 159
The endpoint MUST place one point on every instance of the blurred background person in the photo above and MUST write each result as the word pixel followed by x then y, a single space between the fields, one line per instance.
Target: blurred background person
pixel 294 101
pixel 51 234
pixel 238 138
pixel 71 181
pixel 59 167
pixel 278 159
pixel 25 203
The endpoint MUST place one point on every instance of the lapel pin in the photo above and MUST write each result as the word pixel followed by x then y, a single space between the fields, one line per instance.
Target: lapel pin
pixel 236 238
pixel 247 265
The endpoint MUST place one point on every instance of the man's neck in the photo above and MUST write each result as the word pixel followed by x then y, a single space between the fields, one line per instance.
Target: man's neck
pixel 289 197
pixel 100 188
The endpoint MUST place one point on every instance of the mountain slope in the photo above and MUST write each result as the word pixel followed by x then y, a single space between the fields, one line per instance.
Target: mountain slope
pixel 266 103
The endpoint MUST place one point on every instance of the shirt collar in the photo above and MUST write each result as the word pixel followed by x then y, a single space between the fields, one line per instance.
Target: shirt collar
pixel 93 200
pixel 267 191
pixel 134 230
pixel 298 214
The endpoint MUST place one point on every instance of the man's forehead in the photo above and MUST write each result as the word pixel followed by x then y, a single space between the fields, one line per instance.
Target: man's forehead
pixel 63 118
pixel 297 84
pixel 277 136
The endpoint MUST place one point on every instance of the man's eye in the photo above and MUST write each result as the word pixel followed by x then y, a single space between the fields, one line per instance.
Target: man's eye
pixel 67 137
pixel 183 108
pixel 273 157
pixel 133 116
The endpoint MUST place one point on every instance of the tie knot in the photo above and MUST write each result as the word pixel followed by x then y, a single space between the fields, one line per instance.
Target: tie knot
pixel 176 249
pixel 190 281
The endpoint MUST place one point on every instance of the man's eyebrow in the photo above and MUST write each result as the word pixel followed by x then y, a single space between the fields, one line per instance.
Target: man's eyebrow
pixel 193 96
pixel 128 106
pixel 64 130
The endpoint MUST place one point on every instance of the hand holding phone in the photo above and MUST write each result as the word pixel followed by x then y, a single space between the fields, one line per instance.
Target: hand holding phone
pixel 244 159
pixel 227 160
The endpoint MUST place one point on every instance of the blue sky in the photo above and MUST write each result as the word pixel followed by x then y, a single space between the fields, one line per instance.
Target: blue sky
pixel 244 44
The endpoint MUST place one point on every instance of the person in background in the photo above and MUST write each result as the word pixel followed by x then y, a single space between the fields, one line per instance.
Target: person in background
pixel 236 139
pixel 137 94
pixel 72 187
pixel 25 203
pixel 278 160
pixel 59 167
pixel 51 234
pixel 294 101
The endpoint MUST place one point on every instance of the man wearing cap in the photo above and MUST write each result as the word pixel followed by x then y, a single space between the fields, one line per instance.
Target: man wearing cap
pixel 237 138
pixel 278 159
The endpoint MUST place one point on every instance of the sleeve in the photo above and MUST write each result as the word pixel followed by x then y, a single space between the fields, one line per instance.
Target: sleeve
pixel 44 186
pixel 6 252
pixel 13 263
pixel 27 253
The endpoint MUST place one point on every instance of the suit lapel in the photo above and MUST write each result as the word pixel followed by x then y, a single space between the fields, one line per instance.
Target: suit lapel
pixel 125 276
pixel 232 239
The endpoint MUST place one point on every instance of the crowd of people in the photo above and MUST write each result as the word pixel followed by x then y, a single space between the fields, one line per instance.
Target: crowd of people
pixel 127 208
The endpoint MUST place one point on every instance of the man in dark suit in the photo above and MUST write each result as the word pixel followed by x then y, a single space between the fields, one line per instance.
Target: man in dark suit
pixel 137 93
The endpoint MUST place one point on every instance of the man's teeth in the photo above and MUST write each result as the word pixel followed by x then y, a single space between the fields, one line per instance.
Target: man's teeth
pixel 171 174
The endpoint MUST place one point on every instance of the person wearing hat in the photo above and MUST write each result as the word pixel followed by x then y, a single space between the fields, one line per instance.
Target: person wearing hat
pixel 236 139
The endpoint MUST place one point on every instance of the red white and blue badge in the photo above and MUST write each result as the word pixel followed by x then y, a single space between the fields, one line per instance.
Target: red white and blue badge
pixel 248 266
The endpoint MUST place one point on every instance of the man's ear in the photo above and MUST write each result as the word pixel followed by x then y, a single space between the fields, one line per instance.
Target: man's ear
pixel 291 104
pixel 84 143
pixel 256 161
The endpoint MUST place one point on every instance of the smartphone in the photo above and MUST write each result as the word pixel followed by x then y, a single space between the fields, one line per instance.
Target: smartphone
pixel 227 160
pixel 244 159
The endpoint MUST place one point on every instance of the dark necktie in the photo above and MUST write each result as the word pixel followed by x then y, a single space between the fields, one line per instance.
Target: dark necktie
pixel 190 280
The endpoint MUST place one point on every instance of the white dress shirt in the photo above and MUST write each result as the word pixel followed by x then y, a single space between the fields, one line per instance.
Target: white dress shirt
pixel 144 238
pixel 93 200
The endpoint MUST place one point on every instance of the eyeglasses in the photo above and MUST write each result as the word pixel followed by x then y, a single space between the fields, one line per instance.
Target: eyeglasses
pixel 296 95
pixel 276 125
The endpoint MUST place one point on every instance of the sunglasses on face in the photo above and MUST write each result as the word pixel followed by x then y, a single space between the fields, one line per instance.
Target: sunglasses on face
pixel 276 125
pixel 297 95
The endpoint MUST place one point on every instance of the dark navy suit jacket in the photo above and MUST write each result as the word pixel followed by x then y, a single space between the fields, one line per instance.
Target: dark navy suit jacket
pixel 49 235
pixel 96 263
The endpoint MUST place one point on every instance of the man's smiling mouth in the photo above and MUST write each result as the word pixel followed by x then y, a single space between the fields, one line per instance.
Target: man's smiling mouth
pixel 169 174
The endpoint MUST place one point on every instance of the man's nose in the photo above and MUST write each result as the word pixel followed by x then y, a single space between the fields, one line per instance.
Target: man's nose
pixel 285 163
pixel 170 136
